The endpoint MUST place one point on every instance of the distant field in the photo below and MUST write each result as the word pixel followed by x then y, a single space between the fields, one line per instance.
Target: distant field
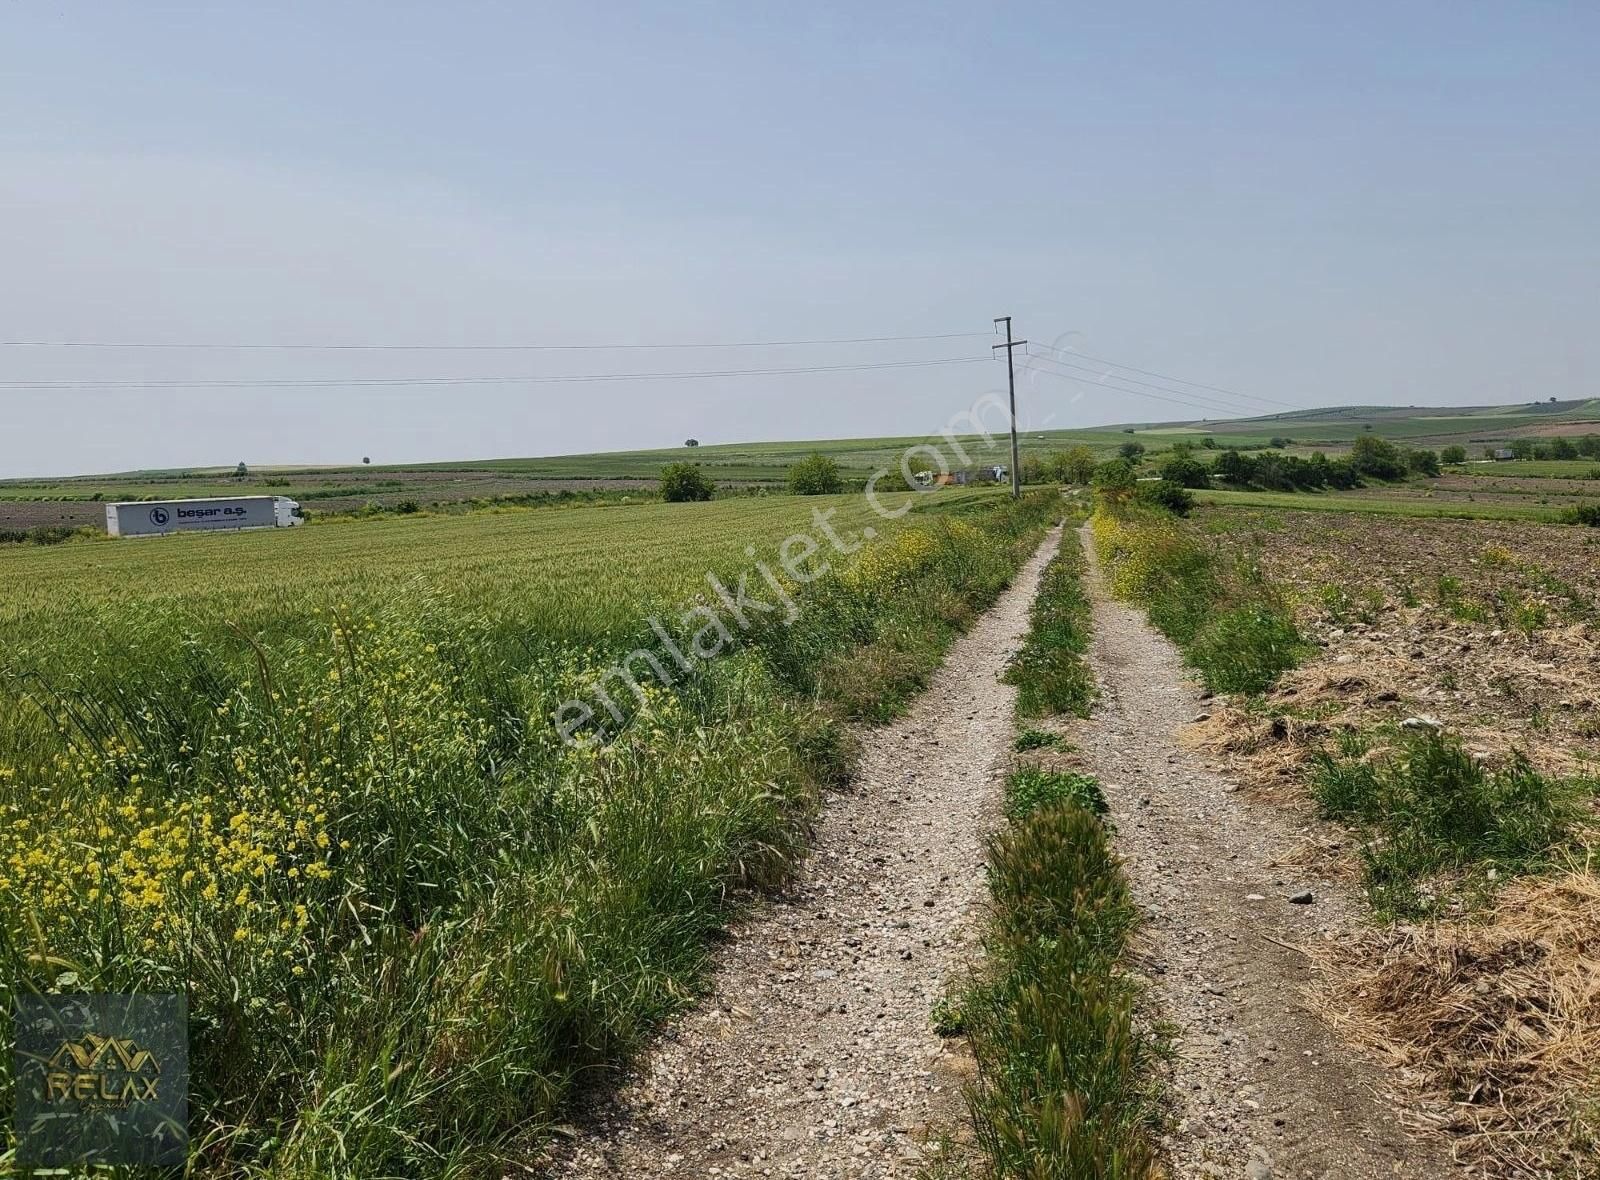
pixel 1536 468
pixel 590 564
pixel 75 500
pixel 1395 503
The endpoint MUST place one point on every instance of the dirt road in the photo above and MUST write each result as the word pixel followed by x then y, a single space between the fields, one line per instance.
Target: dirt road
pixel 1264 1089
pixel 814 1056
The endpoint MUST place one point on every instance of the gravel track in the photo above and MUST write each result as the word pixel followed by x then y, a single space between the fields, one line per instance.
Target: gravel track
pixel 813 1054
pixel 1261 1086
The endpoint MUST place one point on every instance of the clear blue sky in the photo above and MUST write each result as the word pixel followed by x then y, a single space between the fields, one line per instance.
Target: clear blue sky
pixel 1313 203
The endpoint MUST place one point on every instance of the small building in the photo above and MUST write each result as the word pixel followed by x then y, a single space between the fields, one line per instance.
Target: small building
pixel 1501 454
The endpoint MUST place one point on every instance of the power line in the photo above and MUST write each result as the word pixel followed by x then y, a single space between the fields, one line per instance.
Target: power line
pixel 264 347
pixel 1168 377
pixel 1184 397
pixel 576 378
pixel 1033 363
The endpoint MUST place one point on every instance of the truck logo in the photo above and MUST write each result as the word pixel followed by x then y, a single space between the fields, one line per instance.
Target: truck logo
pixel 159 516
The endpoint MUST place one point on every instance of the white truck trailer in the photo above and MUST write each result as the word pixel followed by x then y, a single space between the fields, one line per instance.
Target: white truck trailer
pixel 155 518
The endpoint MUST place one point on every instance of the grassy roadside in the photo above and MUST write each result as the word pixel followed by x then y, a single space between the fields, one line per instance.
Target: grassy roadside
pixel 1063 1086
pixel 407 920
pixel 1478 976
pixel 1232 624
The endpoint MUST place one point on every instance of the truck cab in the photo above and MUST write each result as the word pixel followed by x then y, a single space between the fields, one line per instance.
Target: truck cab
pixel 287 512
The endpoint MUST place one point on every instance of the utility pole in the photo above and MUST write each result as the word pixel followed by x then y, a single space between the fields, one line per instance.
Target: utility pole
pixel 1011 382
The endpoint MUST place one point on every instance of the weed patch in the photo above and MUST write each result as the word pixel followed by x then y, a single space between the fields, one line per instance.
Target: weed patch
pixel 1430 807
pixel 1029 788
pixel 1062 1065
pixel 1050 671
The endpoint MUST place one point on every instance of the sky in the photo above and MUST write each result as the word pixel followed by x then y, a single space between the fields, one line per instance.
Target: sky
pixel 1302 204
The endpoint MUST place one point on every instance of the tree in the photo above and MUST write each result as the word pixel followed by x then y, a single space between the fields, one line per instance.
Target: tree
pixel 1279 441
pixel 1422 462
pixel 1234 468
pixel 684 482
pixel 1522 448
pixel 1453 454
pixel 1033 471
pixel 1186 472
pixel 1377 457
pixel 241 471
pixel 815 475
pixel 1074 465
pixel 691 442
pixel 1589 446
pixel 1209 443
pixel 1115 480
pixel 1561 448
pixel 1131 451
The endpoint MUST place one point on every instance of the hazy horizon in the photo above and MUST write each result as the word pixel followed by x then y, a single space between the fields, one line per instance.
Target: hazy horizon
pixel 1303 207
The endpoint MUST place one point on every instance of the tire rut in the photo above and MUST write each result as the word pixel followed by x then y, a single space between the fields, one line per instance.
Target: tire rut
pixel 1261 1086
pixel 813 1054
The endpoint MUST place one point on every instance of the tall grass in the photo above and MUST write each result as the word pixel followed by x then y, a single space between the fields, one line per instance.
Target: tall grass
pixel 1063 1087
pixel 1429 807
pixel 1232 625
pixel 408 919
pixel 1049 670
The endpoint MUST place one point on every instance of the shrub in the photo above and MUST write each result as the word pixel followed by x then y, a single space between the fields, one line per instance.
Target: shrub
pixel 1131 450
pixel 1186 471
pixel 1453 454
pixel 1167 495
pixel 39 534
pixel 408 507
pixel 1115 480
pixel 684 482
pixel 1422 462
pixel 1377 457
pixel 1588 514
pixel 815 475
